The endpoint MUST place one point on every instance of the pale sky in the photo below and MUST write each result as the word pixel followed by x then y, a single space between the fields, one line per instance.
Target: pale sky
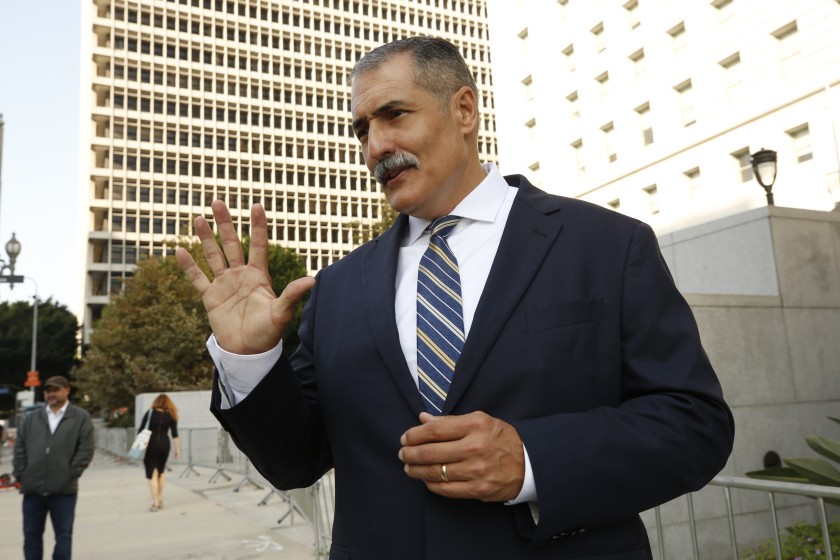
pixel 39 191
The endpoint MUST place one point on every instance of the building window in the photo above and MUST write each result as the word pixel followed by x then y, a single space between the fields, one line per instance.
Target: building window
pixel 639 63
pixel 644 123
pixel 692 179
pixel 652 194
pixel 580 165
pixel 801 143
pixel 733 74
pixel 523 34
pixel 742 157
pixel 600 38
pixel 569 53
pixel 603 85
pixel 535 173
pixel 614 204
pixel 574 107
pixel 686 102
pixel 679 40
pixel 632 8
pixel 723 8
pixel 609 141
pixel 528 88
pixel 789 49
pixel 531 126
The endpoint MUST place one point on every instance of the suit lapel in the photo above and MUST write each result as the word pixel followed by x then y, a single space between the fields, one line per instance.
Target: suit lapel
pixel 534 222
pixel 379 271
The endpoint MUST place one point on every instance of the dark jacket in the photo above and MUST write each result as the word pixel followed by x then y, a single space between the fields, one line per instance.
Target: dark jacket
pixel 46 463
pixel 580 340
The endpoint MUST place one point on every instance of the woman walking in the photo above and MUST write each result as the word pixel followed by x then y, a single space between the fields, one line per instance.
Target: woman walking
pixel 162 417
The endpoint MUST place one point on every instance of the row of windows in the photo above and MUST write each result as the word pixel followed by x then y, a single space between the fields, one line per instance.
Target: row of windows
pixel 224 112
pixel 185 196
pixel 412 16
pixel 799 136
pixel 267 63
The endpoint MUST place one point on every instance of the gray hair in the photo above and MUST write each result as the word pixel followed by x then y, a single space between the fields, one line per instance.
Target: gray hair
pixel 439 67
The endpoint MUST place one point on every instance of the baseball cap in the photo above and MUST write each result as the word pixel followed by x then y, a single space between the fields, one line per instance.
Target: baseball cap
pixel 57 381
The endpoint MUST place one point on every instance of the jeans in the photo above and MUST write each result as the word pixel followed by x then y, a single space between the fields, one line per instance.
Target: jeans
pixel 62 510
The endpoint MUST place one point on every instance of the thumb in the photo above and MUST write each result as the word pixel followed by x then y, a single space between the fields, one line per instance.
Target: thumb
pixel 284 306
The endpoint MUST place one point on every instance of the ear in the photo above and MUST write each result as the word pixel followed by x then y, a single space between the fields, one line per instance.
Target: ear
pixel 465 110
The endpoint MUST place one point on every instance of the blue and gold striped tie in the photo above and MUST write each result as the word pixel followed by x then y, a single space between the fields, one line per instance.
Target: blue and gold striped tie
pixel 440 316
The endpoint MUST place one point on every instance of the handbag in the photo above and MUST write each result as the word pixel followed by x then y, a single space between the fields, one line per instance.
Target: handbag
pixel 141 440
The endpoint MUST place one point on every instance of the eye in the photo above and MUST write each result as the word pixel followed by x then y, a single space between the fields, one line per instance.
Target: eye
pixel 396 113
pixel 361 132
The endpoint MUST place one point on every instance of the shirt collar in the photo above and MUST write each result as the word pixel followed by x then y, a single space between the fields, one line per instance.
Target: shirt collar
pixel 61 410
pixel 482 204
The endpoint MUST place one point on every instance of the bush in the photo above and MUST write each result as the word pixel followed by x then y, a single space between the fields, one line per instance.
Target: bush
pixel 802 542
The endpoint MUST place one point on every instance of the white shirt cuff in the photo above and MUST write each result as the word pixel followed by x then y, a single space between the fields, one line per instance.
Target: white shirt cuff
pixel 238 373
pixel 529 488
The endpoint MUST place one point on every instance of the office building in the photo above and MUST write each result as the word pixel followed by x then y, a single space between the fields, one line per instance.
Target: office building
pixel 654 107
pixel 241 100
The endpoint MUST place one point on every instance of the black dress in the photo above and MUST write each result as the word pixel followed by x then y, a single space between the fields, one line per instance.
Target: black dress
pixel 157 451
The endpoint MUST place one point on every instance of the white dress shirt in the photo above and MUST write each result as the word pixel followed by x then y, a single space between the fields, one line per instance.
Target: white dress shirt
pixel 54 418
pixel 474 242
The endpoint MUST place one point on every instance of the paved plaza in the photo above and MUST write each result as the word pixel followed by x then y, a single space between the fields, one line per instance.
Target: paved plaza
pixel 200 520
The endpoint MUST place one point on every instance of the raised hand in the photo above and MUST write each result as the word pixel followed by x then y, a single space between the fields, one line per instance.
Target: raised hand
pixel 483 456
pixel 245 314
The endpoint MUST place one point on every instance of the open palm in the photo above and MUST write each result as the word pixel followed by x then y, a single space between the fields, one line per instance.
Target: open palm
pixel 245 314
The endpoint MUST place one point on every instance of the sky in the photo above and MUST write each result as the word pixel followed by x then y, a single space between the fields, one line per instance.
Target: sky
pixel 39 186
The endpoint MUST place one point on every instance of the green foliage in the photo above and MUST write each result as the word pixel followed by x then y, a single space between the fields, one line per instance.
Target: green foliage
pixel 809 470
pixel 150 338
pixel 801 542
pixel 57 343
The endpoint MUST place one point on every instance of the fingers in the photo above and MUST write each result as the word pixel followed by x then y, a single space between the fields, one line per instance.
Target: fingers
pixel 258 250
pixel 284 306
pixel 194 274
pixel 484 456
pixel 231 245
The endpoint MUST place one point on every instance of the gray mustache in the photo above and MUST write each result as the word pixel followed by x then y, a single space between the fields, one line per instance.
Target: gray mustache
pixel 396 161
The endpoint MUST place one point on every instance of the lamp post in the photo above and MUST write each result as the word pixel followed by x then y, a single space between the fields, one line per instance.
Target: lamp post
pixel 7 271
pixel 764 167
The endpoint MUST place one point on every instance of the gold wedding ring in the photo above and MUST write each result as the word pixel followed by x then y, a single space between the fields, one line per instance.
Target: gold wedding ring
pixel 443 473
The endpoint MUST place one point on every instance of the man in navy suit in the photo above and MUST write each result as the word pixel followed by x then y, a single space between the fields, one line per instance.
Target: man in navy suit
pixel 582 395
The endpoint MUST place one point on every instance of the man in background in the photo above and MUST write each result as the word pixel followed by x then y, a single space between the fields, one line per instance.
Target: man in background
pixel 53 448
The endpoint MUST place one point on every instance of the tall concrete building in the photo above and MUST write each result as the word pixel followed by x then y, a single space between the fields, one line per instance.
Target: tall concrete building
pixel 654 107
pixel 241 100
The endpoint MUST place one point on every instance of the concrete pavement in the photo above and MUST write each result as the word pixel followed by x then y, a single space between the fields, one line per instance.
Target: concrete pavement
pixel 200 519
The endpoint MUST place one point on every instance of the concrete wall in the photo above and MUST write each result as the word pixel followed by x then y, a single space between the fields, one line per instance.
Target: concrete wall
pixel 765 289
pixel 193 408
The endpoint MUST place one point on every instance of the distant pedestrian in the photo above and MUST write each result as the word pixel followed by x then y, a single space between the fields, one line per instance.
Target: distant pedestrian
pixel 53 448
pixel 162 417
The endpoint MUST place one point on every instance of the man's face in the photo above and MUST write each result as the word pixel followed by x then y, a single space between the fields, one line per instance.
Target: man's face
pixel 56 396
pixel 392 115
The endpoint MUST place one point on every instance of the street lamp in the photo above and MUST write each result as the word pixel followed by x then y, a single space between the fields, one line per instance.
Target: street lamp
pixel 764 167
pixel 7 271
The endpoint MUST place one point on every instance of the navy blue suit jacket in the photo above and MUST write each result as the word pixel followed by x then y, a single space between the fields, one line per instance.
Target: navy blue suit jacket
pixel 580 340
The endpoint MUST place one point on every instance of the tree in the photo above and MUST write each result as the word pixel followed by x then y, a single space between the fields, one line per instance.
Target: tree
pixel 56 343
pixel 152 337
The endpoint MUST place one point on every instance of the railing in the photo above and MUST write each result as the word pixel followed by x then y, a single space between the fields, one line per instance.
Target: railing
pixel 771 488
pixel 213 448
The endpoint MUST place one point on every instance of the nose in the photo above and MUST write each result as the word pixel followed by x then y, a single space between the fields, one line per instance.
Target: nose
pixel 380 144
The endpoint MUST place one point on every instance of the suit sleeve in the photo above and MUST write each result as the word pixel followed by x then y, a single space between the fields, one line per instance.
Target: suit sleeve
pixel 278 425
pixel 670 435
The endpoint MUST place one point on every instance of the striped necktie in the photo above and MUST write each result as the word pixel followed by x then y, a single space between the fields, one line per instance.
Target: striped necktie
pixel 440 317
